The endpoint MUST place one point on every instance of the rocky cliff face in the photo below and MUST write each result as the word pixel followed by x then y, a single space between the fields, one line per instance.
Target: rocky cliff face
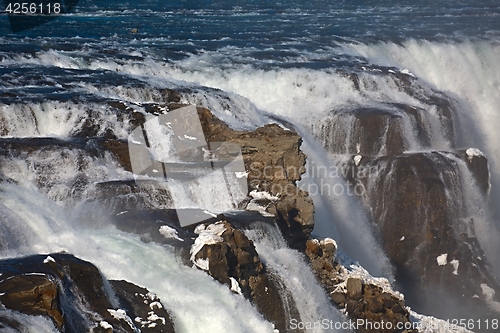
pixel 417 200
pixel 75 296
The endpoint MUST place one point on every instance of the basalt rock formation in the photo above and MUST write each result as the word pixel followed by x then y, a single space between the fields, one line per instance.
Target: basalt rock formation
pixel 418 200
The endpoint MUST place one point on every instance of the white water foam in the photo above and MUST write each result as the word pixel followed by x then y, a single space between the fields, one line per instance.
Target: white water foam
pixel 310 299
pixel 469 71
pixel 198 303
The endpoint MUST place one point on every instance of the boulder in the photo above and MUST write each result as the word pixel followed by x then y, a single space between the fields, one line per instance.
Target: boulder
pixel 74 294
pixel 230 258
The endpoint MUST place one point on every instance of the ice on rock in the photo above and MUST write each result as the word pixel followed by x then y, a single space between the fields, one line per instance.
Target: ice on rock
pixel 156 305
pixel 442 259
pixel 169 232
pixel 154 317
pixel 488 292
pixel 48 259
pixel 407 72
pixel 235 286
pixel 203 264
pixel 455 264
pixel 255 206
pixel 471 152
pixel 262 195
pixel 122 315
pixel 104 324
pixel 152 296
pixel 206 236
pixel 357 159
pixel 242 174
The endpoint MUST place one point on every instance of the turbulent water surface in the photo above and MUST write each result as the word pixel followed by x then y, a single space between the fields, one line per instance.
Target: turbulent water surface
pixel 251 63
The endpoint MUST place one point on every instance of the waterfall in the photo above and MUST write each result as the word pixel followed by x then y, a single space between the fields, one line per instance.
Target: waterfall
pixel 189 294
pixel 290 266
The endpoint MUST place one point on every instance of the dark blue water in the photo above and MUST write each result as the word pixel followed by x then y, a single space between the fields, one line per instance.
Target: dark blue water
pixel 174 29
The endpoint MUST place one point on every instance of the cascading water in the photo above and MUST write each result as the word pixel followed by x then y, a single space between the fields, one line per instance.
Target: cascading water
pixel 312 303
pixel 350 77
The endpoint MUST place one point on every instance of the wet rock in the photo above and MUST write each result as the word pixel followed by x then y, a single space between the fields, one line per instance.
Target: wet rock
pixel 362 301
pixel 32 294
pixel 127 195
pixel 354 288
pixel 72 293
pixel 230 257
pixel 144 307
pixel 417 201
pixel 384 131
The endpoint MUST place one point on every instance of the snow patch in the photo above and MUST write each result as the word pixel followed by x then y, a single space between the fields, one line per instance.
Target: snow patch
pixel 122 315
pixel 169 232
pixel 203 264
pixel 488 292
pixel 471 152
pixel 48 259
pixel 154 317
pixel 407 72
pixel 242 174
pixel 156 305
pixel 235 286
pixel 455 264
pixel 262 195
pixel 104 324
pixel 206 236
pixel 442 259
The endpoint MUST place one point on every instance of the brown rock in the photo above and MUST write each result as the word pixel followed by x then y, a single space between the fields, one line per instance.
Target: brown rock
pixel 236 257
pixel 33 295
pixel 410 197
pixel 354 288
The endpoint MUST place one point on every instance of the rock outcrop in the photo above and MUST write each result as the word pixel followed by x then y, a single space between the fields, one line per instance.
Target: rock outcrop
pixel 417 202
pixel 75 296
pixel 383 131
pixel 272 159
pixel 230 257
pixel 373 304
